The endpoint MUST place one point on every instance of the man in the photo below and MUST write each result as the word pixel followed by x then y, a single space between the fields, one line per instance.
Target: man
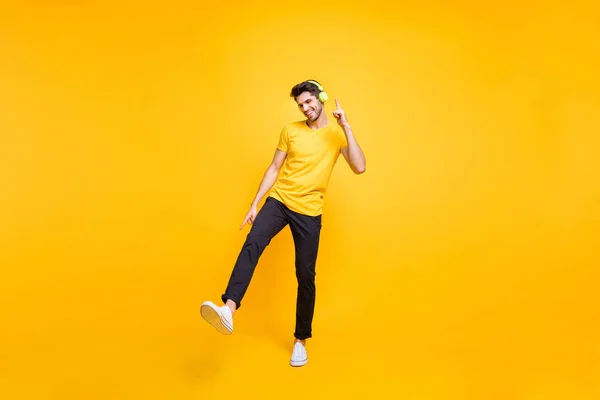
pixel 307 151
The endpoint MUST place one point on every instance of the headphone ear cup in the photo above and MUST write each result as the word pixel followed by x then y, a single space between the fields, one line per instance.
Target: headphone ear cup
pixel 323 97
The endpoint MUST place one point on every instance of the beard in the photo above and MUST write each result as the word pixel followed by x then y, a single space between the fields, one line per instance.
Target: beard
pixel 316 115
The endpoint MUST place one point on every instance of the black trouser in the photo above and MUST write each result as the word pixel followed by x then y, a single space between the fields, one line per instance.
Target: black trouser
pixel 306 230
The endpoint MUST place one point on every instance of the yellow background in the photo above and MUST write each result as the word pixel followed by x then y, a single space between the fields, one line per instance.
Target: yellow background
pixel 462 265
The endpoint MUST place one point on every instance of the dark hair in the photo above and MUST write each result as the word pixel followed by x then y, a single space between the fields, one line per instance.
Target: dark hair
pixel 305 87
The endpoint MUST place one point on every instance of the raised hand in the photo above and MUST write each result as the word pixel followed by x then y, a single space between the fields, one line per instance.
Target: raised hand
pixel 339 115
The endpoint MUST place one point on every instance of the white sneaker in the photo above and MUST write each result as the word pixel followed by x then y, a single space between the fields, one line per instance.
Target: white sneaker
pixel 219 317
pixel 299 356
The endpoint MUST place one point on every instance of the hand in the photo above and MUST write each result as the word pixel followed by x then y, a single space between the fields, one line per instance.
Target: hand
pixel 340 116
pixel 249 217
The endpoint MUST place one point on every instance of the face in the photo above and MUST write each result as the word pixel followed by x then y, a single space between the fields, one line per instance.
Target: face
pixel 309 105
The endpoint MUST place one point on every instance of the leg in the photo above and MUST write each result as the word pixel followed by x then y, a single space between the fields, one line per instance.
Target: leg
pixel 306 232
pixel 270 220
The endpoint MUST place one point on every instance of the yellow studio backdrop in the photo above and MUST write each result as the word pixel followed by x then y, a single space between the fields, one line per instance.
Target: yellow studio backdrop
pixel 462 265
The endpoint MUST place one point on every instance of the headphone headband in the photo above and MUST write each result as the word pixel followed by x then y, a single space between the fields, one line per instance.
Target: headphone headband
pixel 322 95
pixel 317 84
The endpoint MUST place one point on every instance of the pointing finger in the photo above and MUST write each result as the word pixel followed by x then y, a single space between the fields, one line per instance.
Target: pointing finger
pixel 337 103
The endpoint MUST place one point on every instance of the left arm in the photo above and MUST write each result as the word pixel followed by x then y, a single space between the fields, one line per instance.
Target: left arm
pixel 352 153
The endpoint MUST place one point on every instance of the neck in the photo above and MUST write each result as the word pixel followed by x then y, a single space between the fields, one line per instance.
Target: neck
pixel 319 123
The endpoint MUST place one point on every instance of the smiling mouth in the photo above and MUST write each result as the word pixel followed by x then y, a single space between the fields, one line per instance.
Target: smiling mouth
pixel 310 114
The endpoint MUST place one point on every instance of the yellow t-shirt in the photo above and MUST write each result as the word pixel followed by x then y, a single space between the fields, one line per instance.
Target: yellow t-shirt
pixel 311 156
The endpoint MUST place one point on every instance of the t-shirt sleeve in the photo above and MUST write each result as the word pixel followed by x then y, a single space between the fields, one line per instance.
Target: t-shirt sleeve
pixel 283 140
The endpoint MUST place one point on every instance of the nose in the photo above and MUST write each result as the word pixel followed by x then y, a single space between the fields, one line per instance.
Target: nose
pixel 304 107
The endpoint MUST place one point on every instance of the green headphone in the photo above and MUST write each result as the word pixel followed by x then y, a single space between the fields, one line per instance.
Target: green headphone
pixel 322 95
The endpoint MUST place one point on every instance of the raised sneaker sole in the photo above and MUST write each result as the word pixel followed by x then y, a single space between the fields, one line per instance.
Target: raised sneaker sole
pixel 211 314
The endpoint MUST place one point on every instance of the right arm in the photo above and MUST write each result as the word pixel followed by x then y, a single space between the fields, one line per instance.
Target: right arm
pixel 269 177
pixel 266 183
